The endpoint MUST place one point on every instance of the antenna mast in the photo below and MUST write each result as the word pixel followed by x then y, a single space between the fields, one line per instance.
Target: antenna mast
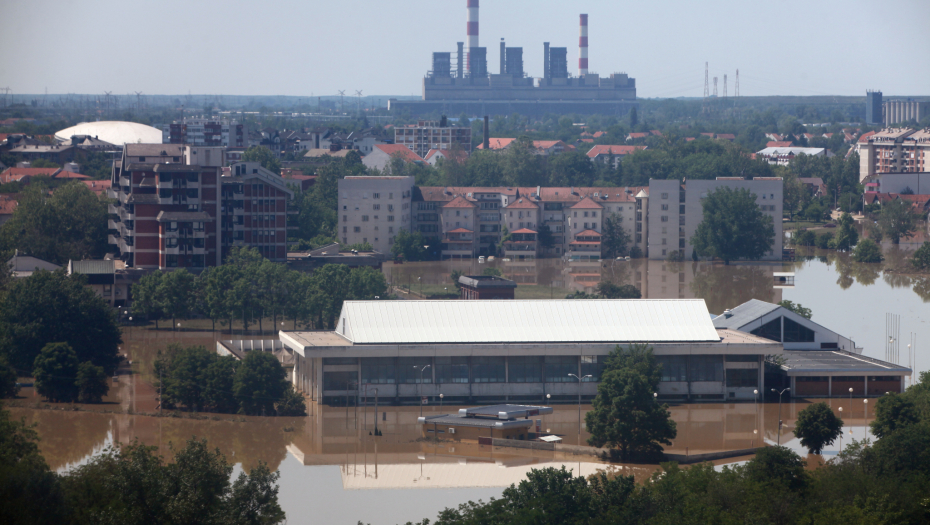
pixel 342 104
pixel 706 91
pixel 358 104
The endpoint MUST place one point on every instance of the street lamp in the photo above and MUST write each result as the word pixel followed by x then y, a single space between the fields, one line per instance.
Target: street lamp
pixel 415 367
pixel 755 397
pixel 865 415
pixel 779 411
pixel 841 433
pixel 580 379
pixel 850 400
pixel 440 402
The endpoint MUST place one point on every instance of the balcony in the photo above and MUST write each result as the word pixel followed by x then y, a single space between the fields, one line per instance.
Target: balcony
pixel 111 224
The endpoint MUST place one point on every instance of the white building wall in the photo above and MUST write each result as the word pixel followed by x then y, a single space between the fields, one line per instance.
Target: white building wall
pixel 374 210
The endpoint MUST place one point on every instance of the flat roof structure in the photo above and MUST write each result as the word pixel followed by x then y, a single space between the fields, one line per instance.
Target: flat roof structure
pixel 813 362
pixel 504 411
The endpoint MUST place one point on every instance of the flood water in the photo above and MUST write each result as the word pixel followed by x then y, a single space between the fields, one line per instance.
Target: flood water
pixel 332 471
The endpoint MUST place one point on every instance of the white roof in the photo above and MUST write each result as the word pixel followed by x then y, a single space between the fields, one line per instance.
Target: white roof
pixel 791 151
pixel 537 321
pixel 115 132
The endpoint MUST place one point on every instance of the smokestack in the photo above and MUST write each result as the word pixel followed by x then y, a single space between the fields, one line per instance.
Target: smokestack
pixel 487 140
pixel 545 59
pixel 471 29
pixel 503 56
pixel 583 46
pixel 460 72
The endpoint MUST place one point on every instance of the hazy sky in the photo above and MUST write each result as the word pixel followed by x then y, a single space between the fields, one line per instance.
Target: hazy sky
pixel 291 47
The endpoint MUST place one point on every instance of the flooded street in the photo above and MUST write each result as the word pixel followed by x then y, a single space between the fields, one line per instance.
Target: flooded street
pixel 332 471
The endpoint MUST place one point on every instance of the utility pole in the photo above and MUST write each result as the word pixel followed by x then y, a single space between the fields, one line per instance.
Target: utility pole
pixel 706 91
pixel 342 104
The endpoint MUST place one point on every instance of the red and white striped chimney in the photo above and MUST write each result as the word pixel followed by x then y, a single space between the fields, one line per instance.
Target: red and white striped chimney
pixel 471 31
pixel 583 47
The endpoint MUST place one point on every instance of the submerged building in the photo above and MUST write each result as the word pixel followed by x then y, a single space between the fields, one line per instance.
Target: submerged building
pixel 471 87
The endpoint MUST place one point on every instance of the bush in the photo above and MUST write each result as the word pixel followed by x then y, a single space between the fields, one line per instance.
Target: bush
pixel 825 241
pixel 867 252
pixel 636 253
pixel 676 256
pixel 921 259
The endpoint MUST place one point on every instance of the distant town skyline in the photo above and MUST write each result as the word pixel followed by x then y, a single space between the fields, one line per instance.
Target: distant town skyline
pixel 295 48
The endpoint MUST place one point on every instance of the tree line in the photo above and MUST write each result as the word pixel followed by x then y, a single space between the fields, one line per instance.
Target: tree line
pixel 198 379
pixel 130 484
pixel 885 481
pixel 250 288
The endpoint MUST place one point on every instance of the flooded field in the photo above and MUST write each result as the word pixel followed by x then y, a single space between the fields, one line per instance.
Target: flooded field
pixel 332 471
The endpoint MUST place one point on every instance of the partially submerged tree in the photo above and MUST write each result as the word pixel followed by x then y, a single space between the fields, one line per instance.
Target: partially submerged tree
pixel 817 427
pixel 733 227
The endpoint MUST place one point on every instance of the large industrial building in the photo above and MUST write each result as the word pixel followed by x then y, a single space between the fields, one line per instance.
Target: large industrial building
pixel 532 351
pixel 471 87
pixel 467 222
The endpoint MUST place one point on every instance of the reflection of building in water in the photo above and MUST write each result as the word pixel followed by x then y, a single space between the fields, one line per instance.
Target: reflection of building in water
pixel 721 286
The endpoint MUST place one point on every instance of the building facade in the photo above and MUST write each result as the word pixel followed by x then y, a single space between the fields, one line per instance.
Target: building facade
pixel 430 134
pixel 374 210
pixel 205 132
pixel 254 210
pixel 894 150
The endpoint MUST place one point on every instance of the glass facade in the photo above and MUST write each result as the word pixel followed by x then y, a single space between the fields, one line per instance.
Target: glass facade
pixel 770 330
pixel 706 368
pixel 378 370
pixel 339 380
pixel 592 365
pixel 488 369
pixel 795 333
pixel 409 370
pixel 742 377
pixel 559 366
pixel 451 369
pixel 526 369
pixel 674 367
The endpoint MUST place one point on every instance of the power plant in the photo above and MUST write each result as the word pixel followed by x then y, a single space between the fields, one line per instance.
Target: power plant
pixel 469 87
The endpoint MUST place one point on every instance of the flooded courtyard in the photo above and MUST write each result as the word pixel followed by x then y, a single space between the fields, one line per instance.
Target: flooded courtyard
pixel 334 471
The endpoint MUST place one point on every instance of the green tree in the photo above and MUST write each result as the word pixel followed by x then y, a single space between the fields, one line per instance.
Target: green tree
pixel 71 223
pixel 182 372
pixel 921 259
pixel 148 297
pixel 454 276
pixel 253 499
pixel 615 240
pixel 259 383
pixel 625 414
pixel 817 426
pixel 409 246
pixel 264 156
pixel 733 227
pixel 796 308
pixel 805 238
pixel 545 237
pixel 8 375
pixel 218 385
pixel 897 220
pixel 177 294
pixel 291 403
pixel 491 271
pixel 55 371
pixel 634 118
pixel 91 383
pixel 846 234
pixel 892 412
pixel 867 252
pixel 51 307
pixel 778 466
pixel 825 241
pixel 609 290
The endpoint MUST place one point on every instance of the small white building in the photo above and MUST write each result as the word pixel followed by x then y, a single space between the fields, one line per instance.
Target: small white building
pixel 782 156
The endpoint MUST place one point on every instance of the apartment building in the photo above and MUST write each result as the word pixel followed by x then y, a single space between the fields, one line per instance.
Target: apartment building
pixel 169 199
pixel 254 210
pixel 205 132
pixel 432 134
pixel 674 211
pixel 374 210
pixel 894 150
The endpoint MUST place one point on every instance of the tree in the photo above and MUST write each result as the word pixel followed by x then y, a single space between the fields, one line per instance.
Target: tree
pixel 892 412
pixel 778 466
pixel 491 271
pixel 817 426
pixel 253 499
pixel 409 246
pixel 259 383
pixel 91 383
pixel 609 290
pixel 545 237
pixel 825 241
pixel 51 307
pixel 454 276
pixel 55 370
pixel 148 297
pixel 71 223
pixel 805 238
pixel 176 292
pixel 921 259
pixel 897 220
pixel 8 375
pixel 264 156
pixel 182 372
pixel 291 403
pixel 846 234
pixel 218 385
pixel 634 118
pixel 867 252
pixel 615 240
pixel 796 308
pixel 733 227
pixel 625 414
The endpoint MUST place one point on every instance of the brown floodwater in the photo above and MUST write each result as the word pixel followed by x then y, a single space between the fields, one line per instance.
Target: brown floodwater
pixel 332 471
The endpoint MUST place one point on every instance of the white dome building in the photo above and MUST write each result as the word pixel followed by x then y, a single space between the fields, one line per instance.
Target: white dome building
pixel 115 132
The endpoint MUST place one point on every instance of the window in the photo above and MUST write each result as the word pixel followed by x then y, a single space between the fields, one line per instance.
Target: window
pixel 357 229
pixel 770 330
pixel 706 368
pixel 742 377
pixel 378 370
pixel 592 365
pixel 664 218
pixel 795 333
pixel 488 369
pixel 376 207
pixel 593 225
pixel 408 370
pixel 339 380
pixel 527 369
pixel 665 207
pixel 665 195
pixel 390 218
pixel 558 367
pixel 674 367
pixel 376 195
pixel 171 243
pixel 451 369
pixel 364 218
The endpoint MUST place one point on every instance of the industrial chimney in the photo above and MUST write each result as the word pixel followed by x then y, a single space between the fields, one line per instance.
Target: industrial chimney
pixel 471 31
pixel 583 47
pixel 503 57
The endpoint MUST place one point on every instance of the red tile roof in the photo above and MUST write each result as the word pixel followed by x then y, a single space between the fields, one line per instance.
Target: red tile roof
pixel 399 149
pixel 778 144
pixel 604 149
pixel 637 135
pixel 726 136
pixel 15 174
pixel 523 230
pixel 587 203
pixel 459 202
pixel 546 144
pixel 591 141
pixel 522 204
pixel 63 174
pixel 7 205
pixel 865 136
pixel 598 134
pixel 98 186
pixel 498 143
pixel 588 233
pixel 460 230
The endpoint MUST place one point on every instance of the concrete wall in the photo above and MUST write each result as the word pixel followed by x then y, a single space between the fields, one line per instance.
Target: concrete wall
pixel 897 182
pixel 357 201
